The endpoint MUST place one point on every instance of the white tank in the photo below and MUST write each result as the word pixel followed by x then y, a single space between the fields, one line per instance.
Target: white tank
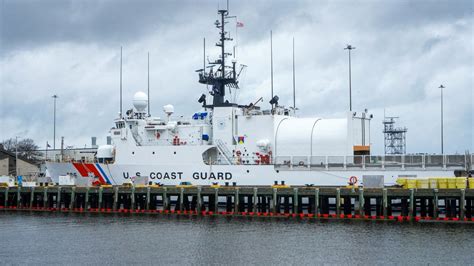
pixel 311 137
pixel 140 101
pixel 105 152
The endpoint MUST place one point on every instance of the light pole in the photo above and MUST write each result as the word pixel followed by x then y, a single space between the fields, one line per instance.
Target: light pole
pixel 349 48
pixel 16 156
pixel 54 122
pixel 441 87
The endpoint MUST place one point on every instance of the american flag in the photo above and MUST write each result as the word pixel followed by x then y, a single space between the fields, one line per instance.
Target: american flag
pixel 240 24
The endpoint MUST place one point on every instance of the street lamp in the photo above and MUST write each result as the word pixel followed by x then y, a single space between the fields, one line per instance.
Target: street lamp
pixel 349 48
pixel 54 123
pixel 441 87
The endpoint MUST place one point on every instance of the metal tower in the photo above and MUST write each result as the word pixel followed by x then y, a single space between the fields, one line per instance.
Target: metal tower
pixel 395 138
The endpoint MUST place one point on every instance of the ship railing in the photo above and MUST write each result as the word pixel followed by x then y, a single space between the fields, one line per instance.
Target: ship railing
pixel 455 161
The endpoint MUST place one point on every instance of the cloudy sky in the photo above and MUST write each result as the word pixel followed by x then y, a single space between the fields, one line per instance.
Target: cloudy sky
pixel 404 51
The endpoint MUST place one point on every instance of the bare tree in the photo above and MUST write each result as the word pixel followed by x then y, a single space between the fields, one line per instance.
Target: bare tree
pixel 26 148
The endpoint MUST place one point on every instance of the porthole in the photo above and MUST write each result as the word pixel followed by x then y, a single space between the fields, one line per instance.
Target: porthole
pixel 174 152
pixel 133 152
pixel 278 171
pixel 153 152
pixel 248 171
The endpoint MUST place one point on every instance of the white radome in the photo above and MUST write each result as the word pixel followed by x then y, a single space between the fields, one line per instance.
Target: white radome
pixel 140 101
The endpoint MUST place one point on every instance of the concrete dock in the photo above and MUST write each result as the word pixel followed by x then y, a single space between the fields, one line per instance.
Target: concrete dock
pixel 303 202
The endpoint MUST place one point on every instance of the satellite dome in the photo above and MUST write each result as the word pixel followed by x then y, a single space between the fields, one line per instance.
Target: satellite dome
pixel 140 101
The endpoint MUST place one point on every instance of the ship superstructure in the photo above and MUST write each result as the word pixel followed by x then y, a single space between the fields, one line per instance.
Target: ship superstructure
pixel 242 143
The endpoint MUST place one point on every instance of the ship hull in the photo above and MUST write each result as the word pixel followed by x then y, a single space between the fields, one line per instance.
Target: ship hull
pixel 242 175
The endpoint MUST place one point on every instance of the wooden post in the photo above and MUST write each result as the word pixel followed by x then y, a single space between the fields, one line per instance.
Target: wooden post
pixel 361 202
pixel 295 200
pixel 58 199
pixel 462 202
pixel 32 197
pixel 18 196
pixel 73 198
pixel 101 191
pixel 411 209
pixel 114 206
pixel 216 200
pixel 86 201
pixel 255 199
pixel 181 198
pixel 316 201
pixel 133 199
pixel 147 207
pixel 236 200
pixel 384 202
pixel 165 199
pixel 435 203
pixel 199 200
pixel 274 200
pixel 45 197
pixel 6 197
pixel 338 202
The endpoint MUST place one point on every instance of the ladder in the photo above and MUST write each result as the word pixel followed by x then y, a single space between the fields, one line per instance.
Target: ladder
pixel 224 150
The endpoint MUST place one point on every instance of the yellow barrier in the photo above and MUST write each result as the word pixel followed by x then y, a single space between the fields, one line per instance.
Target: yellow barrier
pixel 461 182
pixel 442 183
pixel 451 182
pixel 433 182
pixel 422 183
pixel 401 181
pixel 471 182
pixel 411 183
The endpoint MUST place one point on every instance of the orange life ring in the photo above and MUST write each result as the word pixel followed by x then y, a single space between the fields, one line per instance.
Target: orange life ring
pixel 353 179
pixel 158 135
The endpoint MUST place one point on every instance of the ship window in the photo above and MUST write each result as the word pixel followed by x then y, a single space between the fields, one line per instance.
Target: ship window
pixel 278 171
pixel 133 152
pixel 130 126
pixel 153 152
pixel 248 171
pixel 174 152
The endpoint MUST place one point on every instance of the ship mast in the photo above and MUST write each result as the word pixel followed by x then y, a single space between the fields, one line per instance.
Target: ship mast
pixel 221 78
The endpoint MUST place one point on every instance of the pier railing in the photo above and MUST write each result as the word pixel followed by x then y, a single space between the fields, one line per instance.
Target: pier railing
pixel 376 162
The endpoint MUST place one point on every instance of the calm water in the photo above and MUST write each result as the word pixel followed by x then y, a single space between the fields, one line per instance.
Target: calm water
pixel 57 238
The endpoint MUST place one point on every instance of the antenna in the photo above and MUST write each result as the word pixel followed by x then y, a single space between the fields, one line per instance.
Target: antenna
pixel 120 82
pixel 271 63
pixel 148 83
pixel 294 87
pixel 204 56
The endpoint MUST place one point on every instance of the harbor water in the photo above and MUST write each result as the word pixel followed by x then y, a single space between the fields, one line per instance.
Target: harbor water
pixel 68 238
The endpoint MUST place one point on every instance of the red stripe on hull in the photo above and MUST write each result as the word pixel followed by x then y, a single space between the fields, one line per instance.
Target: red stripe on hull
pixel 81 169
pixel 92 169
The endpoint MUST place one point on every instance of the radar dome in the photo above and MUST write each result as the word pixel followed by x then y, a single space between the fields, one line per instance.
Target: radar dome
pixel 140 101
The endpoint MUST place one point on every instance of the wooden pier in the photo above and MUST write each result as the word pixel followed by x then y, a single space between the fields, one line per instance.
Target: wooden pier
pixel 303 202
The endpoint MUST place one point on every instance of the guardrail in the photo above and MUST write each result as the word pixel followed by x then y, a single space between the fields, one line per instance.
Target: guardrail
pixel 376 162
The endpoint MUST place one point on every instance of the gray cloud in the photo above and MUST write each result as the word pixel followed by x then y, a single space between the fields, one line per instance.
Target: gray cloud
pixel 405 49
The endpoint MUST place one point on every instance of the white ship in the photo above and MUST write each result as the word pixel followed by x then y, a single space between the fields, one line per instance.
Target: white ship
pixel 245 144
